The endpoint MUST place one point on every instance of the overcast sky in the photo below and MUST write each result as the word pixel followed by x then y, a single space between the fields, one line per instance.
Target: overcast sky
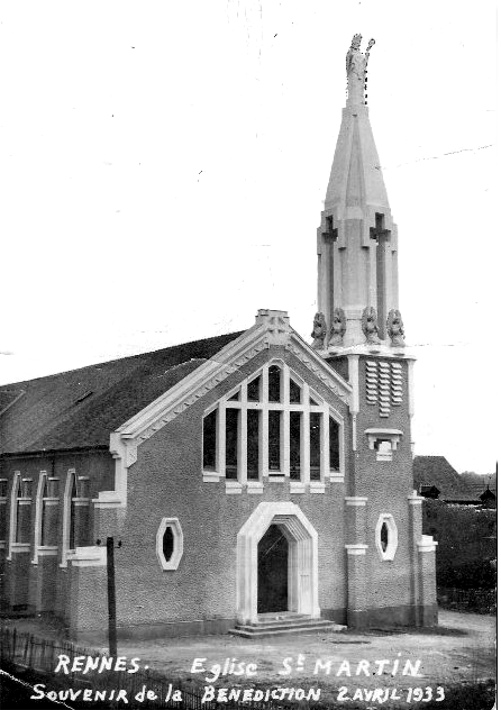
pixel 163 167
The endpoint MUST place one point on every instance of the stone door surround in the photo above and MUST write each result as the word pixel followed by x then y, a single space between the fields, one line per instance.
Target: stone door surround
pixel 303 559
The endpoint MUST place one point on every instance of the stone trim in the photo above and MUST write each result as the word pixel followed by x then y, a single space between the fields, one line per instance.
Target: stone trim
pixel 317 487
pixel 67 500
pixel 39 512
pixel 233 487
pixel 88 556
pixel 20 547
pixel 255 487
pixel 376 434
pixel 356 500
pixel 357 549
pixel 415 499
pixel 178 546
pixel 427 544
pixel 389 554
pixel 303 559
pixel 47 550
pixel 210 477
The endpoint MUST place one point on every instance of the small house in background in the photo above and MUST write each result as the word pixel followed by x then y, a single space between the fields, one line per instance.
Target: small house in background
pixel 488 498
pixel 435 478
pixel 429 492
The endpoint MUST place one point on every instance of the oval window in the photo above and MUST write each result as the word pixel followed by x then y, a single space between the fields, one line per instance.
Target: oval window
pixel 168 544
pixel 384 536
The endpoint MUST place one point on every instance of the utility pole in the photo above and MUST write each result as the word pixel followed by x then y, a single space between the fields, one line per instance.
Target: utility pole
pixel 112 601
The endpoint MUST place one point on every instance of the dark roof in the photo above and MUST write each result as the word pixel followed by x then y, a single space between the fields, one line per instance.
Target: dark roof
pixel 487 495
pixel 7 398
pixel 79 409
pixel 480 482
pixel 429 491
pixel 437 471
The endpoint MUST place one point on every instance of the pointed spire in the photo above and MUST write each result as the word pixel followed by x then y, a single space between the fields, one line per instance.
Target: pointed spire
pixel 357 239
pixel 356 177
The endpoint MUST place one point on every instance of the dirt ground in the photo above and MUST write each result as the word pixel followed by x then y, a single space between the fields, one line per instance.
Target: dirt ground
pixel 461 650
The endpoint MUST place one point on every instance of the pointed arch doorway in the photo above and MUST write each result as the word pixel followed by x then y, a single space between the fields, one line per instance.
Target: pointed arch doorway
pixel 273 571
pixel 286 524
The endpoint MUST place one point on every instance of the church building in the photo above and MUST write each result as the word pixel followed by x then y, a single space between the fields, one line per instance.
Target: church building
pixel 252 482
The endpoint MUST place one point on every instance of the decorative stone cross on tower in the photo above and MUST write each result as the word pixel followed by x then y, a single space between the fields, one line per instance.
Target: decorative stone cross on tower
pixel 330 233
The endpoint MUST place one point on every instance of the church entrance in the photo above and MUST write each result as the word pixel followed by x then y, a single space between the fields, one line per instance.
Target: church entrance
pixel 273 571
pixel 277 563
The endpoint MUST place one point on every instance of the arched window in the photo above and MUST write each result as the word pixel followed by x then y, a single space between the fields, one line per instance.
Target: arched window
pixel 14 495
pixel 76 527
pixel 20 514
pixel 272 426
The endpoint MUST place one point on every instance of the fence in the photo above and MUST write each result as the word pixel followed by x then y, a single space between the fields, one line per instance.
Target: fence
pixel 37 660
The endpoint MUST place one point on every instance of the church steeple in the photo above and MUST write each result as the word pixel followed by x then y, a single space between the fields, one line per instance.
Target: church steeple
pixel 357 238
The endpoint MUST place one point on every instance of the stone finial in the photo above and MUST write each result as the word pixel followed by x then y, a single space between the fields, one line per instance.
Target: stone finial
pixel 369 325
pixel 265 315
pixel 356 68
pixel 395 328
pixel 338 327
pixel 319 331
pixel 276 323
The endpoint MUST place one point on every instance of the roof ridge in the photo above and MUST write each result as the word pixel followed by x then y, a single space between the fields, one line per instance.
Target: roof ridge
pixel 8 385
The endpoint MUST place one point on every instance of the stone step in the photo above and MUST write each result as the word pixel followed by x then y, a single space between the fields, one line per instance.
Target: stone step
pixel 284 624
pixel 279 628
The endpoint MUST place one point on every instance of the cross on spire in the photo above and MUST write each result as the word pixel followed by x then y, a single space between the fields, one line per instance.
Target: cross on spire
pixel 379 233
pixel 382 237
pixel 330 232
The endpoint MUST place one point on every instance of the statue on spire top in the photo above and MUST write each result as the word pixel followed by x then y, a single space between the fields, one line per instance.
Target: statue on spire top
pixel 356 68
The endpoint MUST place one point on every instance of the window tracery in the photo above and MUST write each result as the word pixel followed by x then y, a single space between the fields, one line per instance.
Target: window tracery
pixel 272 426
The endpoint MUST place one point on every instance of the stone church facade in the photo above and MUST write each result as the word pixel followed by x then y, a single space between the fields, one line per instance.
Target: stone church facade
pixel 245 476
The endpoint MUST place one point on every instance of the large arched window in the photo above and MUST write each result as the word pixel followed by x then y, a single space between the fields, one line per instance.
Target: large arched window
pixel 20 514
pixel 272 426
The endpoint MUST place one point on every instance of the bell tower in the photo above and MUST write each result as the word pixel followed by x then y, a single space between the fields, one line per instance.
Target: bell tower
pixel 357 238
pixel 358 330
